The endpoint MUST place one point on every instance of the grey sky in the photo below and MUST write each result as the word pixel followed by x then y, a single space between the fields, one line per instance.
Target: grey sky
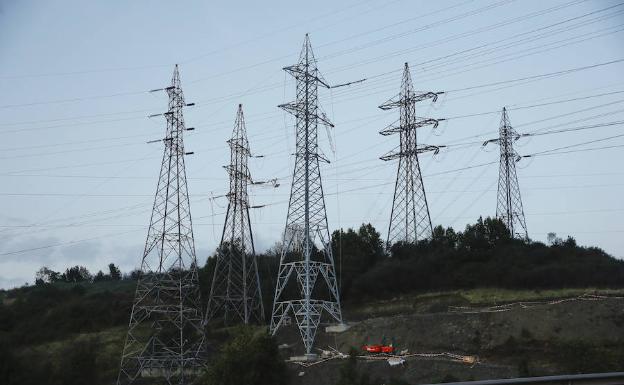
pixel 77 178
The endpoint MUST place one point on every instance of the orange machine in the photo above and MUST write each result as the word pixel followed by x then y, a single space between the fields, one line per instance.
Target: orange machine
pixel 378 348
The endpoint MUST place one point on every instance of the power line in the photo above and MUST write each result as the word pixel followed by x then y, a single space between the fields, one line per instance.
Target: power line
pixel 573 151
pixel 477 31
pixel 549 74
pixel 192 59
pixel 367 118
pixel 21 251
pixel 482 9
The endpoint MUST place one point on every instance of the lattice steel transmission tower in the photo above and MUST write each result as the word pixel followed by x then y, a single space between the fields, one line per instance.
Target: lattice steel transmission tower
pixel 306 252
pixel 235 291
pixel 509 203
pixel 165 337
pixel 409 219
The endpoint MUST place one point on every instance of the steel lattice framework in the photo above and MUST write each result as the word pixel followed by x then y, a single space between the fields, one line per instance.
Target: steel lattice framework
pixel 509 203
pixel 166 337
pixel 235 291
pixel 306 252
pixel 409 219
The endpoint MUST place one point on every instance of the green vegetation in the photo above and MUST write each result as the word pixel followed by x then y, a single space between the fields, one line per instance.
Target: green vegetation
pixel 70 325
pixel 44 313
pixel 484 256
pixel 249 357
pixel 349 375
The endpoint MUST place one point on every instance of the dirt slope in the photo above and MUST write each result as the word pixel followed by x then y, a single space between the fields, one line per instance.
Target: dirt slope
pixel 541 339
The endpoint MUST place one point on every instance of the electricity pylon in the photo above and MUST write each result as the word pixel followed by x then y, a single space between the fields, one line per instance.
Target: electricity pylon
pixel 306 244
pixel 509 203
pixel 165 336
pixel 235 290
pixel 409 219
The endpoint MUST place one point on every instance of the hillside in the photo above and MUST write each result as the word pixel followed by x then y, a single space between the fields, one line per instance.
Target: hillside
pixel 575 336
pixel 558 308
pixel 580 335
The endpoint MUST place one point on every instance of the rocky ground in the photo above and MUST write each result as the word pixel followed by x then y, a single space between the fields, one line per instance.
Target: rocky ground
pixel 529 339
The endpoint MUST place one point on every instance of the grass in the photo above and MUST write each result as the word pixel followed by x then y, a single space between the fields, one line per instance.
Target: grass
pixel 108 345
pixel 434 302
pixel 495 296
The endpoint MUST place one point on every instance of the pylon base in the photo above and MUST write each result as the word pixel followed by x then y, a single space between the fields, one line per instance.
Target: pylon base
pixel 339 328
pixel 310 357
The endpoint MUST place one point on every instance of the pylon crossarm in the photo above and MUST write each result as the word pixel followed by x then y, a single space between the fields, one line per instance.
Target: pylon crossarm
pixel 322 158
pixel 400 100
pixel 392 155
pixel 394 102
pixel 417 123
pixel 322 118
pixel 299 109
pixel 299 70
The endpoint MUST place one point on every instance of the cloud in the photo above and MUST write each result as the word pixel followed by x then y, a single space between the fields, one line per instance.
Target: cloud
pixel 126 257
pixel 31 252
pixel 10 283
pixel 28 248
pixel 24 255
pixel 13 220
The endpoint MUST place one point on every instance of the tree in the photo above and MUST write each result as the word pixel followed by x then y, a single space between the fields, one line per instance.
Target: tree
pixel 114 272
pixel 355 253
pixel 403 250
pixel 99 277
pixel 484 234
pixel 552 239
pixel 133 275
pixel 372 239
pixel 569 242
pixel 444 238
pixel 46 275
pixel 254 351
pixel 76 274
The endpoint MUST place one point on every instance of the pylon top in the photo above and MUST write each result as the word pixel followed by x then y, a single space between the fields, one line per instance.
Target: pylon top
pixel 306 57
pixel 406 86
pixel 175 78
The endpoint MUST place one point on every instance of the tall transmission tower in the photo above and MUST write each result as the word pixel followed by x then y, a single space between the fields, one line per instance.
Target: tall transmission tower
pixel 306 252
pixel 509 203
pixel 166 337
pixel 235 291
pixel 409 219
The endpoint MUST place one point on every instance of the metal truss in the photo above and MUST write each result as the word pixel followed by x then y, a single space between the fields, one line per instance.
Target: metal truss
pixel 165 337
pixel 235 291
pixel 509 202
pixel 306 253
pixel 409 219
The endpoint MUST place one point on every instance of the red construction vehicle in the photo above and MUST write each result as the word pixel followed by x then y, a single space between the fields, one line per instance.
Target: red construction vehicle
pixel 372 348
pixel 389 349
